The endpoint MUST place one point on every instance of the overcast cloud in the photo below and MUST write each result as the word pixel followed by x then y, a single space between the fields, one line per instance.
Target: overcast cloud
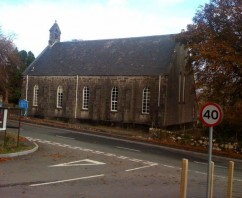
pixel 30 20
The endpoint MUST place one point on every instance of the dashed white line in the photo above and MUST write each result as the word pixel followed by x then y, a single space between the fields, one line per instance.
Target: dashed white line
pixel 122 157
pixel 98 152
pixel 203 163
pixel 109 154
pixel 129 149
pixel 169 166
pixel 65 137
pixel 147 163
pixel 136 160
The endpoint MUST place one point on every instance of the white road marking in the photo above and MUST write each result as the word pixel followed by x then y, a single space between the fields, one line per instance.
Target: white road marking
pixel 122 157
pixel 84 162
pixel 67 180
pixel 169 166
pixel 196 162
pixel 65 137
pixel 119 147
pixel 135 160
pixel 199 172
pixel 138 168
pixel 109 154
pixel 148 163
pixel 98 152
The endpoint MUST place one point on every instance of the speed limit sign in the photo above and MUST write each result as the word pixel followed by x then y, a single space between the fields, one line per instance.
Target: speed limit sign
pixel 211 114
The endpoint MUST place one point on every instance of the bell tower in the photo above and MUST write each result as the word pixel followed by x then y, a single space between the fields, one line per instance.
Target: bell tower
pixel 54 34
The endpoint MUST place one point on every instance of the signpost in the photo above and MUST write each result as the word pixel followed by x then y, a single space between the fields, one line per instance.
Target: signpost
pixel 211 115
pixel 3 118
pixel 24 104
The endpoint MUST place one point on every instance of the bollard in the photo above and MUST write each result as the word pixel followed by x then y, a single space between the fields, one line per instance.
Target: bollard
pixel 211 180
pixel 230 179
pixel 183 187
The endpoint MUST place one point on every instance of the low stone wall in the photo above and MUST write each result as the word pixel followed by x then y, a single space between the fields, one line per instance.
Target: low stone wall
pixel 186 138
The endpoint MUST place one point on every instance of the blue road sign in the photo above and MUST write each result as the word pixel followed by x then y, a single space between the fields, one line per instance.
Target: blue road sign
pixel 24 104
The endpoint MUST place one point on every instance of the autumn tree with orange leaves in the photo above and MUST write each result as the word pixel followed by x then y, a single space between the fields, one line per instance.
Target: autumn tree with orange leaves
pixel 214 45
pixel 12 64
pixel 9 60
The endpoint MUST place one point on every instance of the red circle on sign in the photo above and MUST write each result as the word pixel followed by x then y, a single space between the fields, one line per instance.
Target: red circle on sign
pixel 211 114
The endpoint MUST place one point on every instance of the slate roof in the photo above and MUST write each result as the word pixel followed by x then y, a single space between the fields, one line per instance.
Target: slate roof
pixel 136 56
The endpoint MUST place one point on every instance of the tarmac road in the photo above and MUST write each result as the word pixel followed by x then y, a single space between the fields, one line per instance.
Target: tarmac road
pixel 80 164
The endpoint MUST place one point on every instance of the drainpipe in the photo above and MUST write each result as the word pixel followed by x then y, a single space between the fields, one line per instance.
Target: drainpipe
pixel 159 91
pixel 76 96
pixel 27 87
pixel 165 102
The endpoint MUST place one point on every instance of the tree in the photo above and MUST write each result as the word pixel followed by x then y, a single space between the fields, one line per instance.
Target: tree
pixel 16 80
pixel 9 61
pixel 214 45
pixel 12 64
pixel 26 58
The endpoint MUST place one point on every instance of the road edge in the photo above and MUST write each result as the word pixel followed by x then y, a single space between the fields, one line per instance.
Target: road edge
pixel 21 153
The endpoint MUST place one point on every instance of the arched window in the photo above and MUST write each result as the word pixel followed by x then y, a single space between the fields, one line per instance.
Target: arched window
pixel 146 101
pixel 85 98
pixel 59 101
pixel 35 95
pixel 114 99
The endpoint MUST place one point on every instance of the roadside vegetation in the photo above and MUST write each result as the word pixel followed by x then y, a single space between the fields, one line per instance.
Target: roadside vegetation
pixel 12 64
pixel 10 143
pixel 214 45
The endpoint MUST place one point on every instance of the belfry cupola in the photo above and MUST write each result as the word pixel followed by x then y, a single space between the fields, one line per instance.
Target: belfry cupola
pixel 54 34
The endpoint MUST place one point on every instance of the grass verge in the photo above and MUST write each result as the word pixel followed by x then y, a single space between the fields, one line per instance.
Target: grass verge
pixel 10 143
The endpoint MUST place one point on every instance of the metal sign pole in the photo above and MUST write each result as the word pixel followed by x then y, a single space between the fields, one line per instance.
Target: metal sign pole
pixel 211 115
pixel 209 161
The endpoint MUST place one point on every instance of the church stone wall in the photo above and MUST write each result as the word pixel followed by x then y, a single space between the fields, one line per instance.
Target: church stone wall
pixel 181 103
pixel 130 91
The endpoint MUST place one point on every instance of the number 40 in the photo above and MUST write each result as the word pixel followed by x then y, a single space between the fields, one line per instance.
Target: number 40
pixel 211 114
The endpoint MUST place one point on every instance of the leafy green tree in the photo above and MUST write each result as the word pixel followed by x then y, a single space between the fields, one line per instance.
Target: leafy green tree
pixel 26 58
pixel 214 45
pixel 16 81
pixel 30 58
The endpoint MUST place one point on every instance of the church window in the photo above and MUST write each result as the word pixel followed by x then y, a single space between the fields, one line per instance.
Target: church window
pixel 85 98
pixel 35 96
pixel 59 97
pixel 146 101
pixel 114 99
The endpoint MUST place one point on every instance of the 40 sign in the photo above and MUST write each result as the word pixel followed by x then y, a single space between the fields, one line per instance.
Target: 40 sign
pixel 211 114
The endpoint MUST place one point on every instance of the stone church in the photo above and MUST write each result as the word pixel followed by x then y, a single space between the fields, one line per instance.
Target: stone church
pixel 127 81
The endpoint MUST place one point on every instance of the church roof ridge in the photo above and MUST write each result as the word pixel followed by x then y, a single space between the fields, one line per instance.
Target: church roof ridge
pixel 137 56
